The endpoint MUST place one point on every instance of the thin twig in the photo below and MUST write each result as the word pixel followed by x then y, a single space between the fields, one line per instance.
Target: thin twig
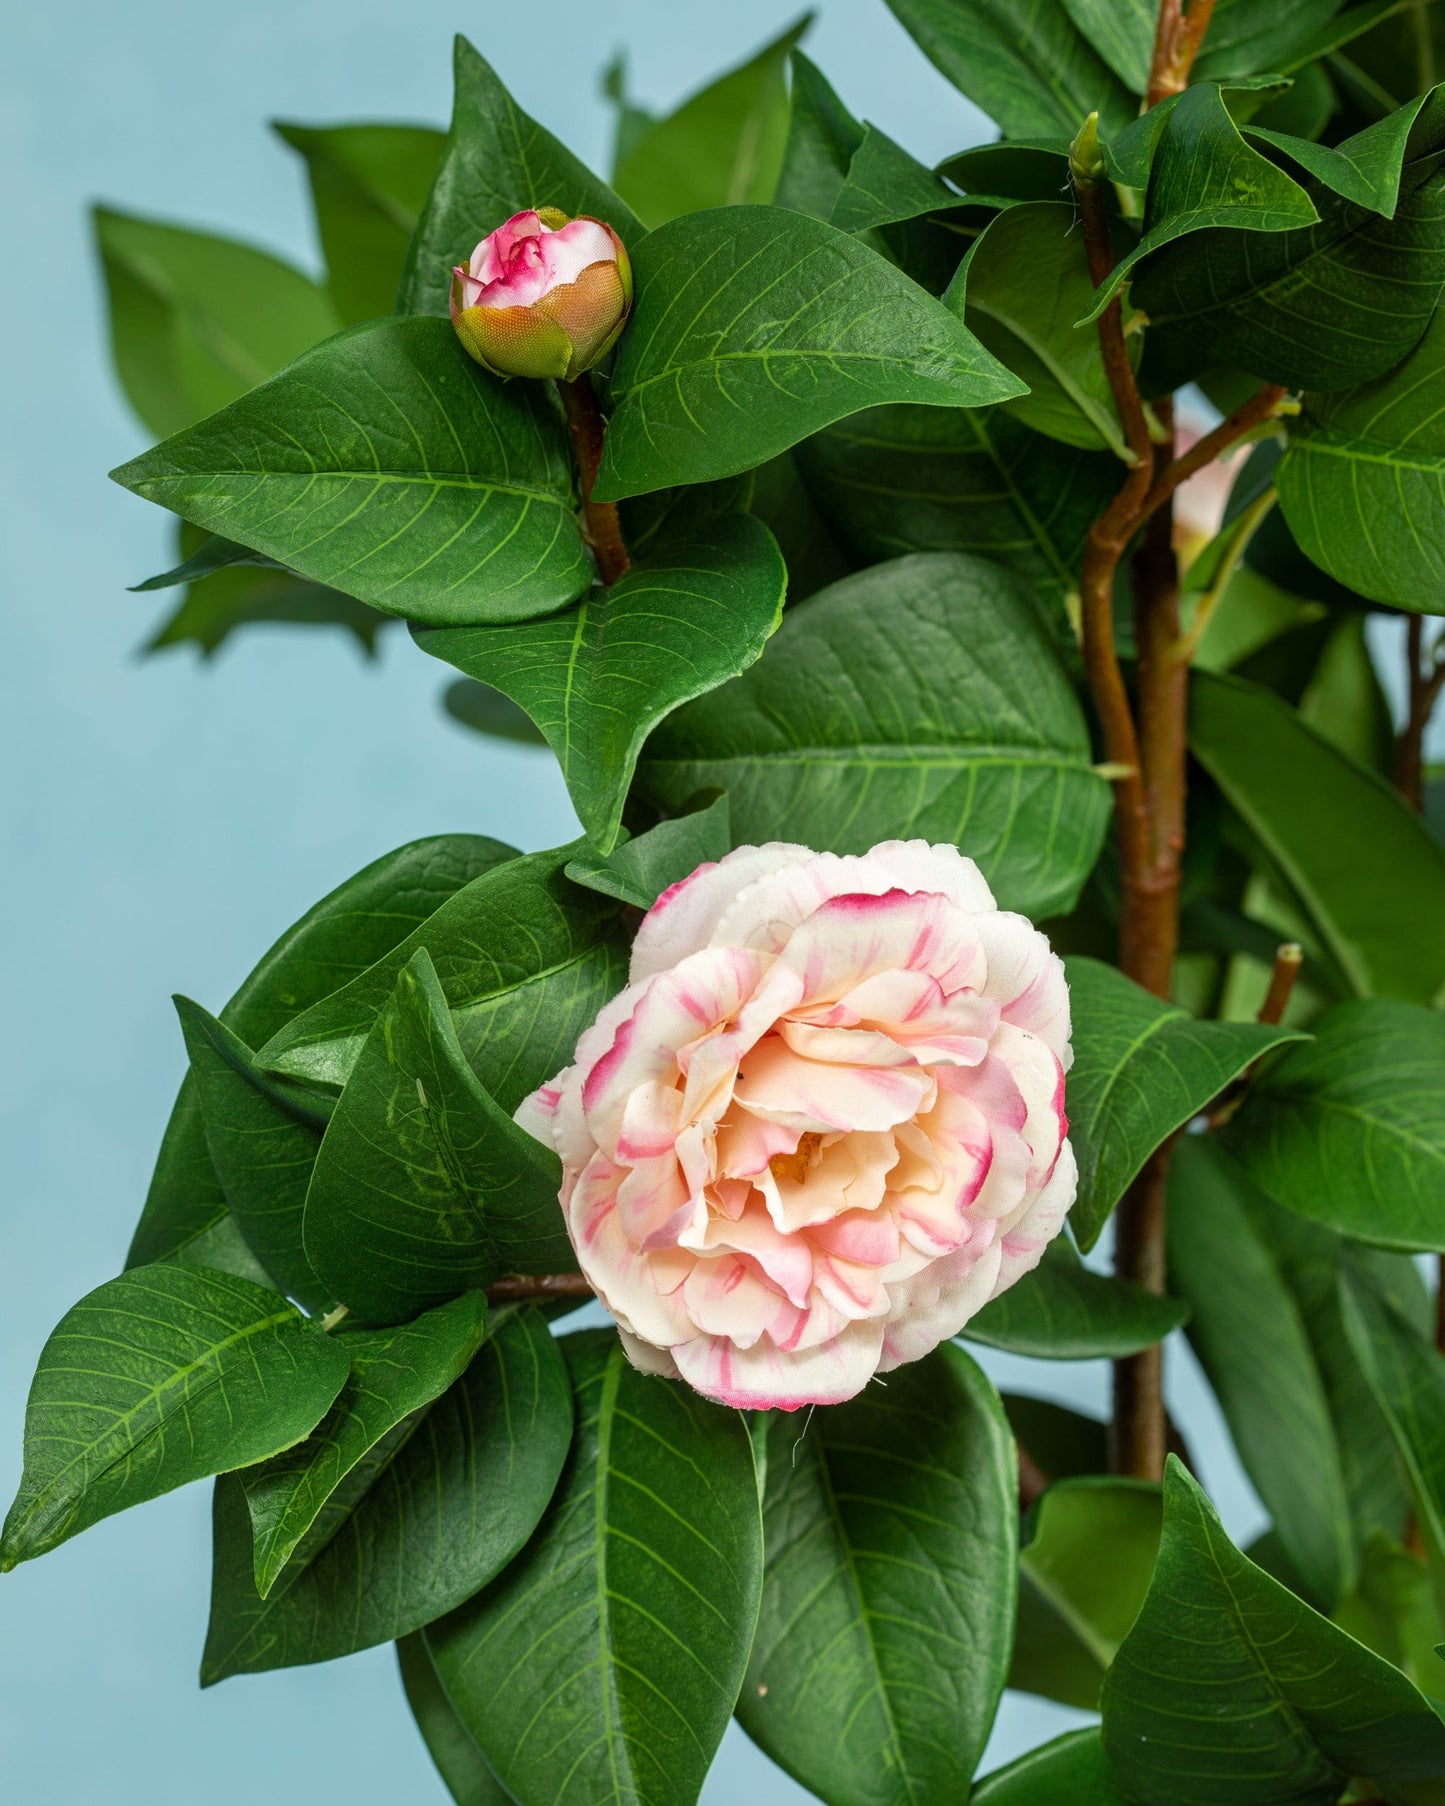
pixel 1425 679
pixel 516 1288
pixel 1288 958
pixel 1243 531
pixel 1177 38
pixel 1248 415
pixel 588 429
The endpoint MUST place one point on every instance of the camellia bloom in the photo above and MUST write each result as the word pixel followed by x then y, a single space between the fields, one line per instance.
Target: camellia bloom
pixel 543 295
pixel 822 1125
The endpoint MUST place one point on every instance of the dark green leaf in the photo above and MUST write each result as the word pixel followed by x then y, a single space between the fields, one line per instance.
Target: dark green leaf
pixel 1393 1611
pixel 1141 1070
pixel 159 1377
pixel 424 1186
pixel 822 137
pixel 1073 1768
pixel 893 480
pixel 1365 169
pixel 885 184
pixel 1230 1691
pixel 923 697
pixel 525 959
pixel 387 464
pixel 394 1374
pixel 640 870
pixel 1363 869
pixel 369 184
pixel 1251 1339
pixel 891 1525
pixel 458 1760
pixel 1031 71
pixel 486 711
pixel 604 1664
pixel 722 146
pixel 755 326
pixel 1013 169
pixel 598 678
pixel 454 1504
pixel 1061 1443
pixel 196 321
pixel 1083 1574
pixel 338 937
pixel 1064 1312
pixel 1244 38
pixel 1345 699
pixel 1122 31
pixel 1363 482
pixel 497 162
pixel 212 554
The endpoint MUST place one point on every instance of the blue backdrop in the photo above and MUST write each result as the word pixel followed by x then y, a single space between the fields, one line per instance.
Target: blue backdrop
pixel 163 820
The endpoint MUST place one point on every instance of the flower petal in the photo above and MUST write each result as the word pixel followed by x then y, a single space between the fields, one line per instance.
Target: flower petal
pixel 766 1378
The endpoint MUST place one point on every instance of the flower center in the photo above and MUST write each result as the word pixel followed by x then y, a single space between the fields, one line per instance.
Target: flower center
pixel 797 1165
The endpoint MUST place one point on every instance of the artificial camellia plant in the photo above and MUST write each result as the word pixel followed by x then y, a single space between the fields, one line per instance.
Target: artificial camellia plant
pixel 844 528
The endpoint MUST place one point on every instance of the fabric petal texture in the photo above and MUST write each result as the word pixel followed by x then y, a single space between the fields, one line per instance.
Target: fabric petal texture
pixel 823 1124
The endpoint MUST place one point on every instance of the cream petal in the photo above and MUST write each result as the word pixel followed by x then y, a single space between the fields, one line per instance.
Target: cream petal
pixel 916 865
pixel 618 1272
pixel 570 249
pixel 1024 1242
pixel 868 1238
pixel 725 1297
pixel 1027 980
pixel 849 1172
pixel 647 1359
pixel 746 1143
pixel 654 1202
pixel 847 1046
pixel 765 1378
pixel 937 1303
pixel 1039 1076
pixel 684 918
pixel 778 1085
pixel 651 1118
pixel 785 1261
pixel 853 936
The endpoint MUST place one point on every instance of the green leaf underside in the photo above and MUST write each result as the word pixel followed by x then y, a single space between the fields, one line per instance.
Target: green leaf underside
pixel 394 1373
pixel 887 1616
pixel 525 960
pixel 640 870
pixel 1122 31
pixel 424 1186
pixel 755 326
pixel 159 1377
pixel 1141 1070
pixel 1364 870
pixel 195 320
pixel 909 479
pixel 342 934
pixel 459 1762
pixel 1351 1130
pixel 497 162
pixel 884 184
pixel 1064 1312
pixel 1251 1339
pixel 822 138
pixel 604 1664
pixel 1362 484
pixel 454 1504
pixel 1073 1768
pixel 1230 1691
pixel 1083 1573
pixel 1029 69
pixel 923 697
pixel 387 464
pixel 597 679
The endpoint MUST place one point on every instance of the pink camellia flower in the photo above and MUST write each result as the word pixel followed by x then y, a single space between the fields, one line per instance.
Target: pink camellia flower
pixel 543 295
pixel 822 1125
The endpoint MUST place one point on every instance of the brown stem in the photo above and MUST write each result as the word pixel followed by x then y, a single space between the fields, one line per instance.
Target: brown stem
pixel 1139 1430
pixel 518 1287
pixel 1033 1481
pixel 1426 679
pixel 1288 958
pixel 588 429
pixel 1203 452
pixel 1177 38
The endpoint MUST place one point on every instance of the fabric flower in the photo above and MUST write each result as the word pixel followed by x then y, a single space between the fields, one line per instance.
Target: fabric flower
pixel 822 1125
pixel 543 295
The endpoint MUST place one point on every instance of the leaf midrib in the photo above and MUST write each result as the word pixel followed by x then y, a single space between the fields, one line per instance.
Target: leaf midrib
pixel 442 479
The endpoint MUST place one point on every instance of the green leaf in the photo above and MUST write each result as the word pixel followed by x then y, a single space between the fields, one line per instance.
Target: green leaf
pixel 755 326
pixel 598 678
pixel 1302 307
pixel 196 321
pixel 1073 1768
pixel 1122 31
pixel 389 465
pixel 497 162
pixel 1243 38
pixel 722 146
pixel 1012 169
pixel 451 1507
pixel 923 697
pixel 1361 866
pixel 1366 169
pixel 394 1374
pixel 1062 1444
pixel 1031 71
pixel 1021 289
pixel 822 137
pixel 1064 1312
pixel 640 870
pixel 369 184
pixel 459 1762
pixel 1142 1069
pixel 1251 1340
pixel 891 1525
pixel 1345 700
pixel 1230 1691
pixel 423 1185
pixel 1083 1574
pixel 885 185
pixel 906 479
pixel 1363 482
pixel 262 1135
pixel 1394 1612
pixel 604 1664
pixel 156 1378
pixel 525 960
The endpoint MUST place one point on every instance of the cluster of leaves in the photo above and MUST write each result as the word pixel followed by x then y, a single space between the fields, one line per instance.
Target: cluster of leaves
pixel 859 388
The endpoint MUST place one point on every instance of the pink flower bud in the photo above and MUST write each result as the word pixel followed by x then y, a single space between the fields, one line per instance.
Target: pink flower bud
pixel 543 295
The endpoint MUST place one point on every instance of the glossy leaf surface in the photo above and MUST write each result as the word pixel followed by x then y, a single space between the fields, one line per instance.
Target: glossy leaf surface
pixel 1063 1311
pixel 640 870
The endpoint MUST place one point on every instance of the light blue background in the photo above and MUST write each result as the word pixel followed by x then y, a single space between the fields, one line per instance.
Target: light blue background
pixel 163 820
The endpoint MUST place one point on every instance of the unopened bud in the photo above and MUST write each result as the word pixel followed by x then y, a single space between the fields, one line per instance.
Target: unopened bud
pixel 543 295
pixel 1086 157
